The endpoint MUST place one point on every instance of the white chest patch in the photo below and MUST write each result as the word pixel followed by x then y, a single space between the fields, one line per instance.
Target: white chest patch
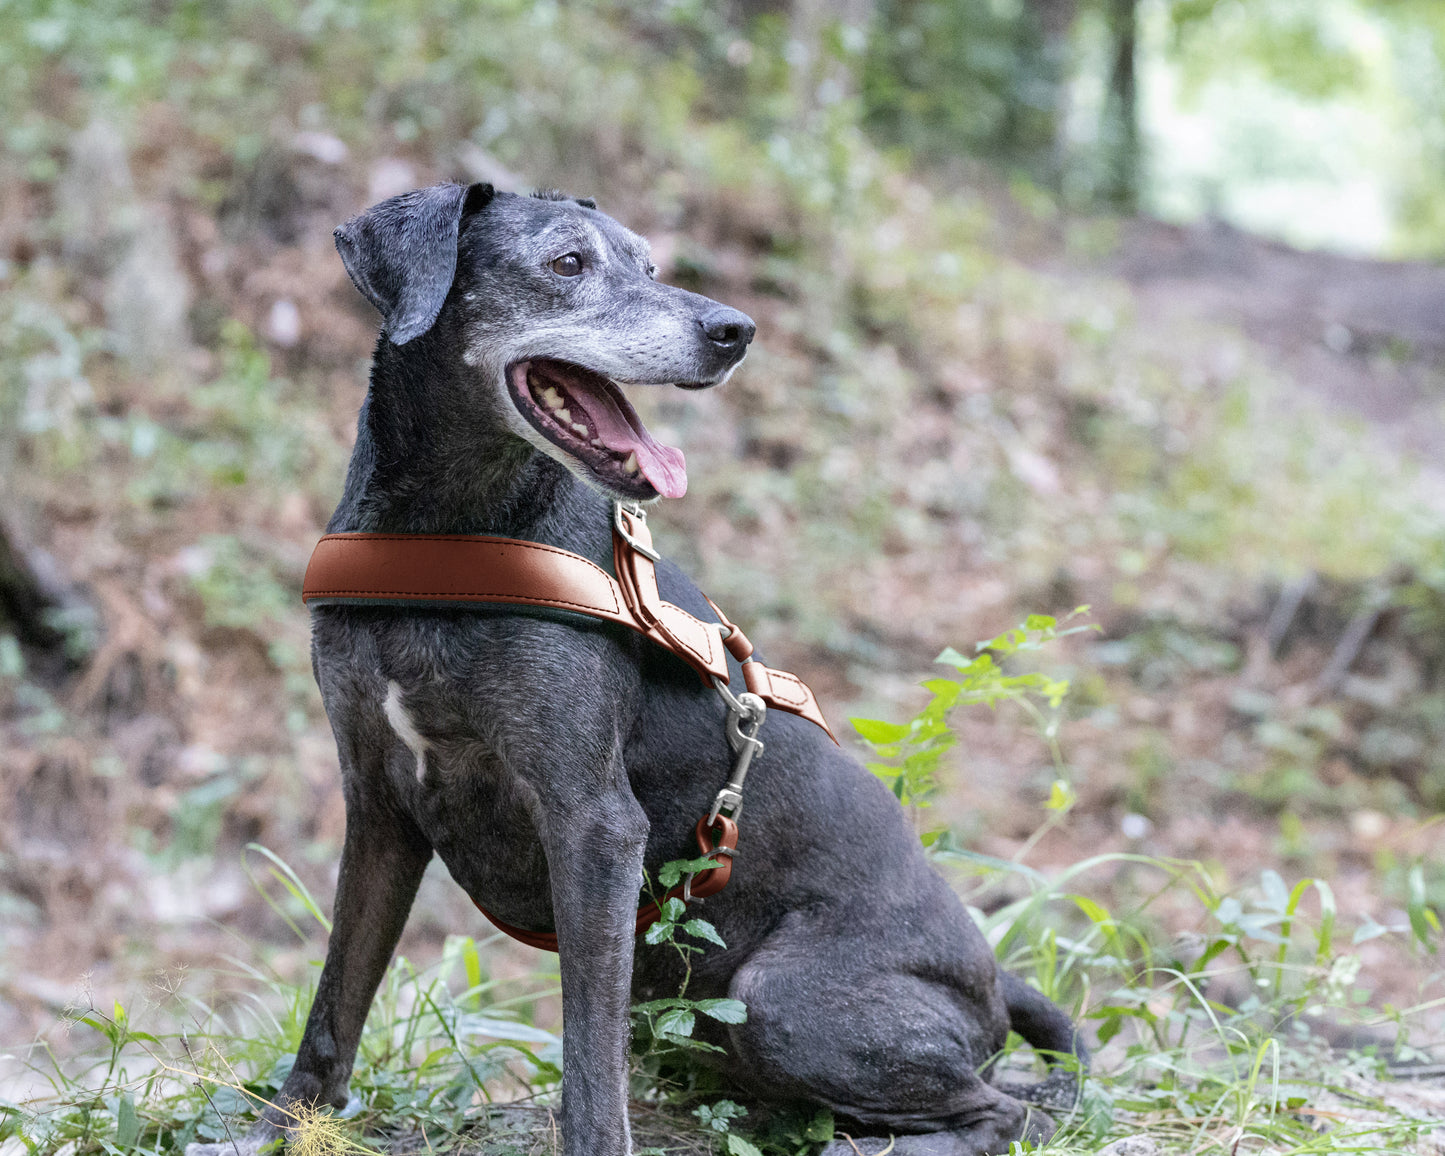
pixel 405 729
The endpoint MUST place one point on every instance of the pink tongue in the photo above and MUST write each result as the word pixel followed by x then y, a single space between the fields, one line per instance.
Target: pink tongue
pixel 661 465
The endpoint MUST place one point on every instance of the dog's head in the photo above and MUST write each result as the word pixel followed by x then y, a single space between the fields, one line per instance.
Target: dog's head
pixel 555 309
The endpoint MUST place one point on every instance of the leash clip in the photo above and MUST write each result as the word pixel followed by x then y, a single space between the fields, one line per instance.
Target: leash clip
pixel 746 713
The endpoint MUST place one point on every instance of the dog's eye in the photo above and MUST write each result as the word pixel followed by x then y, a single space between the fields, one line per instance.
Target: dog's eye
pixel 652 271
pixel 568 266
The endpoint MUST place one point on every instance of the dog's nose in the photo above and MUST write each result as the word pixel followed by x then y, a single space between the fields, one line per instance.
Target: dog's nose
pixel 728 329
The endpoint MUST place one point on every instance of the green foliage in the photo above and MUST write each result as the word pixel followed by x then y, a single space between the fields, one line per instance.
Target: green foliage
pixel 970 77
pixel 718 1118
pixel 1188 1048
pixel 238 591
pixel 910 753
pixel 437 1044
pixel 1296 45
pixel 663 1027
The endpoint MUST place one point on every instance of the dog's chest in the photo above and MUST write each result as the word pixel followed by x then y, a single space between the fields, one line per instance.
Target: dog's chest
pixel 457 786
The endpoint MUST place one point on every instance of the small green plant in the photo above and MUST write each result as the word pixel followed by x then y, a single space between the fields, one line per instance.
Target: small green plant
pixel 718 1118
pixel 909 753
pixel 669 1023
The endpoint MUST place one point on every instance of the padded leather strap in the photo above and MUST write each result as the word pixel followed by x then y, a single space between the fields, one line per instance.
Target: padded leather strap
pixel 473 568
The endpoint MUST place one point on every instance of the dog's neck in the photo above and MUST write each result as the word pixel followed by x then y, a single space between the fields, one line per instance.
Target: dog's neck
pixel 431 458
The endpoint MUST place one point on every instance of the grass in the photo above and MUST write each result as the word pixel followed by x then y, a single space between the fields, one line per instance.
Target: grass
pixel 1209 1041
pixel 439 1042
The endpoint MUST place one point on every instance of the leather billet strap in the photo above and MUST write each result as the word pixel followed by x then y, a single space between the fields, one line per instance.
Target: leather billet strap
pixel 432 568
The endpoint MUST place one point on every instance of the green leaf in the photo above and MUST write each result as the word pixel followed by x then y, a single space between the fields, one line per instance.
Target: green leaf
pixel 727 1011
pixel 1327 917
pixel 127 1123
pixel 1109 1029
pixel 658 933
pixel 820 1128
pixel 671 873
pixel 678 1022
pixel 472 961
pixel 1423 919
pixel 941 688
pixel 719 1116
pixel 878 731
pixel 657 1005
pixel 737 1146
pixel 702 929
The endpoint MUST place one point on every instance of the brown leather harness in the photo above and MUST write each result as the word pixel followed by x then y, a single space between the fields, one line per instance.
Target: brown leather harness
pixel 462 569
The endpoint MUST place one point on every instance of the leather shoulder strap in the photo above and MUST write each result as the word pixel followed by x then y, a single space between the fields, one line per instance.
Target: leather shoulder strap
pixel 368 568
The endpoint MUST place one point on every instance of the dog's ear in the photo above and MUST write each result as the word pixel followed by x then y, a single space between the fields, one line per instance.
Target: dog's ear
pixel 402 253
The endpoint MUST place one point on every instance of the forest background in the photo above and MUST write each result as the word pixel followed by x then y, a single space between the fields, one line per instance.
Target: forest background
pixel 1133 304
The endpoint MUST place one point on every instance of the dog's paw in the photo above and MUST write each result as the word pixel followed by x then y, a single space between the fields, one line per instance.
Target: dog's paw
pixel 1039 1127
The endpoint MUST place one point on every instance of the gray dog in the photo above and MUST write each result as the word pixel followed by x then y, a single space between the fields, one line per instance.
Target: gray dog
pixel 550 762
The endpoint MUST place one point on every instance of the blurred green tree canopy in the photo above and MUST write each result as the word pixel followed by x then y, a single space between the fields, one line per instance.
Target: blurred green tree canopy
pixel 1322 121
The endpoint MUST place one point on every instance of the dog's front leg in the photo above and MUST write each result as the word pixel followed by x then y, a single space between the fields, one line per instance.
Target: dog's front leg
pixel 594 855
pixel 382 863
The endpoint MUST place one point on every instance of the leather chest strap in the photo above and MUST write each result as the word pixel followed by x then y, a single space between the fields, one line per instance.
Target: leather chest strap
pixel 432 568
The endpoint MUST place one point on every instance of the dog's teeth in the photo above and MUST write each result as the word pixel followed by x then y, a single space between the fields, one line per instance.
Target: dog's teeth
pixel 562 415
pixel 629 464
pixel 579 427
pixel 549 395
pixel 598 443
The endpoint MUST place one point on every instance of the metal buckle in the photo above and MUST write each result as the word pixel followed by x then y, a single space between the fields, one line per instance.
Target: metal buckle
pixel 621 527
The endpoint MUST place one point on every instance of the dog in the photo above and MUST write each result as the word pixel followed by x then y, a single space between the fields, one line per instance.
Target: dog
pixel 549 761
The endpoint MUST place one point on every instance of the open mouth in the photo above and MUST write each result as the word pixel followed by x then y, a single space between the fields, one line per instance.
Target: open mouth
pixel 586 415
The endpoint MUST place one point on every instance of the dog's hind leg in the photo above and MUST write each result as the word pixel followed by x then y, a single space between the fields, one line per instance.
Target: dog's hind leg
pixel 382 863
pixel 892 1043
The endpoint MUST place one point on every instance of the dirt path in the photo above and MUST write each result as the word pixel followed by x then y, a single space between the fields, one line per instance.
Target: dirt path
pixel 1366 337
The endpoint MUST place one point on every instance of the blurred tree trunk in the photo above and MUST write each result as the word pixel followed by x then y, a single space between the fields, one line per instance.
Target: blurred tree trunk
pixel 1120 131
pixel 24 603
pixel 1055 22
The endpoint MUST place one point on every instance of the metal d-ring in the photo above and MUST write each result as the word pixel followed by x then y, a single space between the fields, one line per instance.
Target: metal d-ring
pixel 687 896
